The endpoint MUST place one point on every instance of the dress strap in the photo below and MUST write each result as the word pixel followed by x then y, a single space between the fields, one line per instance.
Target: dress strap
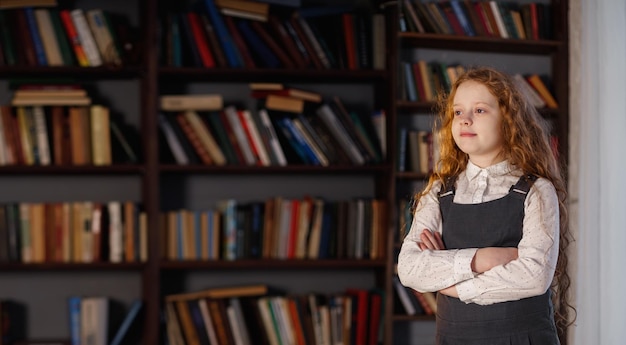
pixel 522 187
pixel 448 187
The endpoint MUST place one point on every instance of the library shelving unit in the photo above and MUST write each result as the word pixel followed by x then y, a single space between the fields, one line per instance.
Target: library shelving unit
pixel 133 91
pixel 548 57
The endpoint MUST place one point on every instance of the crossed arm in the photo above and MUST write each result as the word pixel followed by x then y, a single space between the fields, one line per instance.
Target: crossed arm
pixel 484 259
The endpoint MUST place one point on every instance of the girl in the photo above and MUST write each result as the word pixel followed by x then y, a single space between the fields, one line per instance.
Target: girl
pixel 489 231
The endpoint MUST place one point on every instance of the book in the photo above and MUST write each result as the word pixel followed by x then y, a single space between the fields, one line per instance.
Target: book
pixel 215 45
pixel 221 292
pixel 258 47
pixel 206 138
pixel 87 40
pixel 124 332
pixel 535 81
pixel 287 41
pixel 223 34
pixel 7 4
pixel 244 55
pixel 74 38
pixel 232 116
pixel 35 36
pixel 200 39
pixel 102 35
pixel 289 92
pixel 244 5
pixel 193 139
pixel 284 103
pixel 191 102
pixel 48 39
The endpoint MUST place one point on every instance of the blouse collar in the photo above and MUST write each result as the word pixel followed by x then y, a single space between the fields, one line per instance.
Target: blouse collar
pixel 497 169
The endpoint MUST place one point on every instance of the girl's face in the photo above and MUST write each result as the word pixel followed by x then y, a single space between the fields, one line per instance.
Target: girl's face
pixel 476 126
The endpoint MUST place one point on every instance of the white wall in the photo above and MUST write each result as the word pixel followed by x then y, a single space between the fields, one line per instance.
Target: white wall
pixel 597 189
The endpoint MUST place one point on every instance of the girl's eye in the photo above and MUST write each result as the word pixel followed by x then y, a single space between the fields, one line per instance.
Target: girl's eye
pixel 480 111
pixel 457 112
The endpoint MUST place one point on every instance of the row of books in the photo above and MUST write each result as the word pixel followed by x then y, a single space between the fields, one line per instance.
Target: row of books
pixel 63 37
pixel 252 315
pixel 413 302
pixel 76 232
pixel 423 81
pixel 503 19
pixel 100 320
pixel 323 134
pixel 64 135
pixel 417 150
pixel 333 38
pixel 278 228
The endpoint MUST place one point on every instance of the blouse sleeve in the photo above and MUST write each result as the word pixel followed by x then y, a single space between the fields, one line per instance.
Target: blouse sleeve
pixel 532 272
pixel 431 270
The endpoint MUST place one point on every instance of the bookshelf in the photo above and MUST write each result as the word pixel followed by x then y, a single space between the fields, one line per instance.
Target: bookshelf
pixel 132 90
pixel 546 56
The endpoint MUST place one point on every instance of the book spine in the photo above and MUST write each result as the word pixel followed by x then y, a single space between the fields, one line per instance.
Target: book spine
pixel 274 143
pixel 194 139
pixel 86 37
pixel 40 53
pixel 240 135
pixel 172 141
pixel 72 34
pixel 222 34
pixel 206 138
pixel 200 40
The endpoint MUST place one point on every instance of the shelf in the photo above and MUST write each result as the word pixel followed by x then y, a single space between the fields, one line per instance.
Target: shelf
pixel 480 44
pixel 71 169
pixel 71 73
pixel 290 169
pixel 223 75
pixel 410 318
pixel 409 175
pixel 57 266
pixel 252 264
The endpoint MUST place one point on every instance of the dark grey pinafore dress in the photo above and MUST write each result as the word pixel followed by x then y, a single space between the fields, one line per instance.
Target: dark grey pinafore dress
pixel 496 223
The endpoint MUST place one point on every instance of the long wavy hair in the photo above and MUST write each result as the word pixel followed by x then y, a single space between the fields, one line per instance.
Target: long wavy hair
pixel 526 145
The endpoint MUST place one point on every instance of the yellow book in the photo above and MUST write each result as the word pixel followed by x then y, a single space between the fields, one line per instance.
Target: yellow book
pixel 100 135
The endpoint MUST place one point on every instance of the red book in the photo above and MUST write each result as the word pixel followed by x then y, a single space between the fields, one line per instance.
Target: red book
pixel 11 132
pixel 350 40
pixel 247 130
pixel 72 35
pixel 360 313
pixel 201 40
pixel 376 303
pixel 484 21
pixel 293 229
pixel 417 75
pixel 534 21
pixel 24 37
pixel 452 19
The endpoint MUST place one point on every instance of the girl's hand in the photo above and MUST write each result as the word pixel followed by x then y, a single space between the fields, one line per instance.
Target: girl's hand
pixel 431 240
pixel 490 257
